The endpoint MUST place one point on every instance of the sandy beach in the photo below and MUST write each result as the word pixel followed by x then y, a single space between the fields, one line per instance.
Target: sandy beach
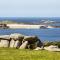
pixel 27 26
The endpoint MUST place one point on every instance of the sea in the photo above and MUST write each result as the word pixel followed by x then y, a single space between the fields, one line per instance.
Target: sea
pixel 51 34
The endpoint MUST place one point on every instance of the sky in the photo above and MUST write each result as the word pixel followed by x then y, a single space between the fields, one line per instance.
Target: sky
pixel 29 8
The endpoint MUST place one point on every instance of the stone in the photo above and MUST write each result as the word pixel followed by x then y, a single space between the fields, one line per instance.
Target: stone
pixel 39 43
pixel 1 45
pixel 38 48
pixel 43 27
pixel 17 36
pixel 31 39
pixel 17 44
pixel 5 37
pixel 12 42
pixel 34 45
pixel 4 43
pixel 52 48
pixel 24 45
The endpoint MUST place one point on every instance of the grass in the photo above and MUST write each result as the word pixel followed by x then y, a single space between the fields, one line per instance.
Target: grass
pixel 17 54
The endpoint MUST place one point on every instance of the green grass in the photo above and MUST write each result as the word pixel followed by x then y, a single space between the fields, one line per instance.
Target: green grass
pixel 17 54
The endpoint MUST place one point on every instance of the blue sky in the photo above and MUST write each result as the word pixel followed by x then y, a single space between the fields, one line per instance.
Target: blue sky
pixel 30 8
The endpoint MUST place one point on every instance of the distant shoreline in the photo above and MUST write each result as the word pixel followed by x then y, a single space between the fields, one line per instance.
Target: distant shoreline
pixel 27 26
pixel 14 25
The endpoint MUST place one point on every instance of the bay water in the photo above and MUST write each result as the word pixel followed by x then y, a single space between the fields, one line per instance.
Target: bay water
pixel 52 34
pixel 43 34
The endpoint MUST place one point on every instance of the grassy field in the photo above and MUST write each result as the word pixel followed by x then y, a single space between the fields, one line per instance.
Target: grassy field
pixel 17 54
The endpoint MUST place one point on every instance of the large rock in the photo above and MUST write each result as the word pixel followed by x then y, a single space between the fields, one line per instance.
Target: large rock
pixel 24 45
pixel 52 48
pixel 38 48
pixel 6 37
pixel 39 43
pixel 17 36
pixel 33 45
pixel 17 44
pixel 43 27
pixel 12 42
pixel 33 41
pixel 4 43
pixel 30 39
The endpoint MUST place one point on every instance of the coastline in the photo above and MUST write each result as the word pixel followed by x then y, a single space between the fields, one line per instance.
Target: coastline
pixel 15 25
pixel 27 26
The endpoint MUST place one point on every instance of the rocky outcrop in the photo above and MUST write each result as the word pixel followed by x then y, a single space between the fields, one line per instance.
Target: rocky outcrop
pixel 24 45
pixel 17 36
pixel 52 48
pixel 17 44
pixel 4 43
pixel 38 48
pixel 12 42
pixel 33 42
pixel 5 37
pixel 30 38
pixel 43 27
pixel 20 41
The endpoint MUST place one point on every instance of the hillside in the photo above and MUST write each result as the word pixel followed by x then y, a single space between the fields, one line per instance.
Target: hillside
pixel 8 22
